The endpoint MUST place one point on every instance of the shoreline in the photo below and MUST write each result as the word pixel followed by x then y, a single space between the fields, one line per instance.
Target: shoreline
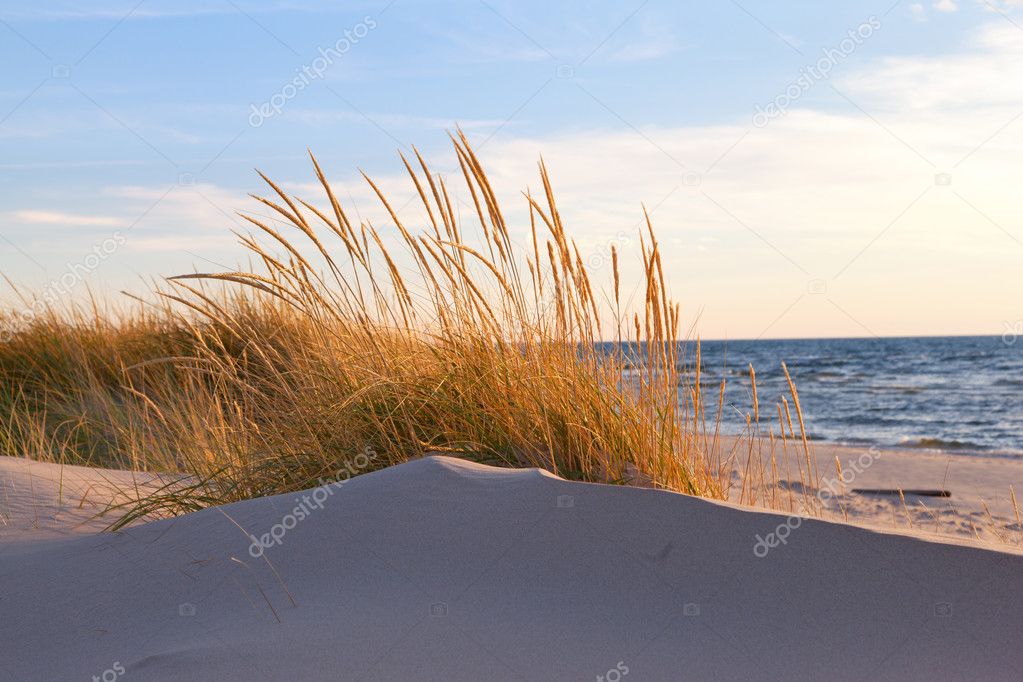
pixel 966 450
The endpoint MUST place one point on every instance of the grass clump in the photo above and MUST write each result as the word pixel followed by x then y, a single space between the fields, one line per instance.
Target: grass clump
pixel 344 338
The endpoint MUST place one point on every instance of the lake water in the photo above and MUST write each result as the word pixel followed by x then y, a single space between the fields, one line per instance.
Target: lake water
pixel 962 394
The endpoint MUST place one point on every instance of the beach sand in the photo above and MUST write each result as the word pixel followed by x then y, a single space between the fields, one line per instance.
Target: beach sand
pixel 979 507
pixel 440 569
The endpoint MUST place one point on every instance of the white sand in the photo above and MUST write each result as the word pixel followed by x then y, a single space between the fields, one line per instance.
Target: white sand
pixel 41 500
pixel 445 570
pixel 979 509
pixel 980 501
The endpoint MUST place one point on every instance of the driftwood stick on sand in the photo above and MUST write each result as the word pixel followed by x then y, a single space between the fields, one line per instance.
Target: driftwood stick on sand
pixel 903 491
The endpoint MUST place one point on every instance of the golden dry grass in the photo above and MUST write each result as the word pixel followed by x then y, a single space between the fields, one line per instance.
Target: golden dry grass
pixel 457 340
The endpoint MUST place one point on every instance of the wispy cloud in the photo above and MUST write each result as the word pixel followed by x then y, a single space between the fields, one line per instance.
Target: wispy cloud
pixel 40 217
pixel 919 11
pixel 651 41
pixel 970 79
pixel 36 120
pixel 319 117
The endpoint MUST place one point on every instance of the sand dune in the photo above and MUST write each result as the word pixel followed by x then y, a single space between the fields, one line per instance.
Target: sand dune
pixel 445 570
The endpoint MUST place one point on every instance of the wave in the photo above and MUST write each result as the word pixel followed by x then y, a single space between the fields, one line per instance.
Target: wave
pixel 939 444
pixel 827 374
pixel 899 390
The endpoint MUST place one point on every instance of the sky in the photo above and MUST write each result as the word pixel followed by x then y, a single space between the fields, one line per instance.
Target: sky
pixel 812 169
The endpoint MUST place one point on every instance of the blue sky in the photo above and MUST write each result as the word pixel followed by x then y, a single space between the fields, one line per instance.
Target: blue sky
pixel 881 199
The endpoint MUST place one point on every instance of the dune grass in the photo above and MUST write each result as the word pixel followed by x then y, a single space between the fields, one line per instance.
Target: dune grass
pixel 347 347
